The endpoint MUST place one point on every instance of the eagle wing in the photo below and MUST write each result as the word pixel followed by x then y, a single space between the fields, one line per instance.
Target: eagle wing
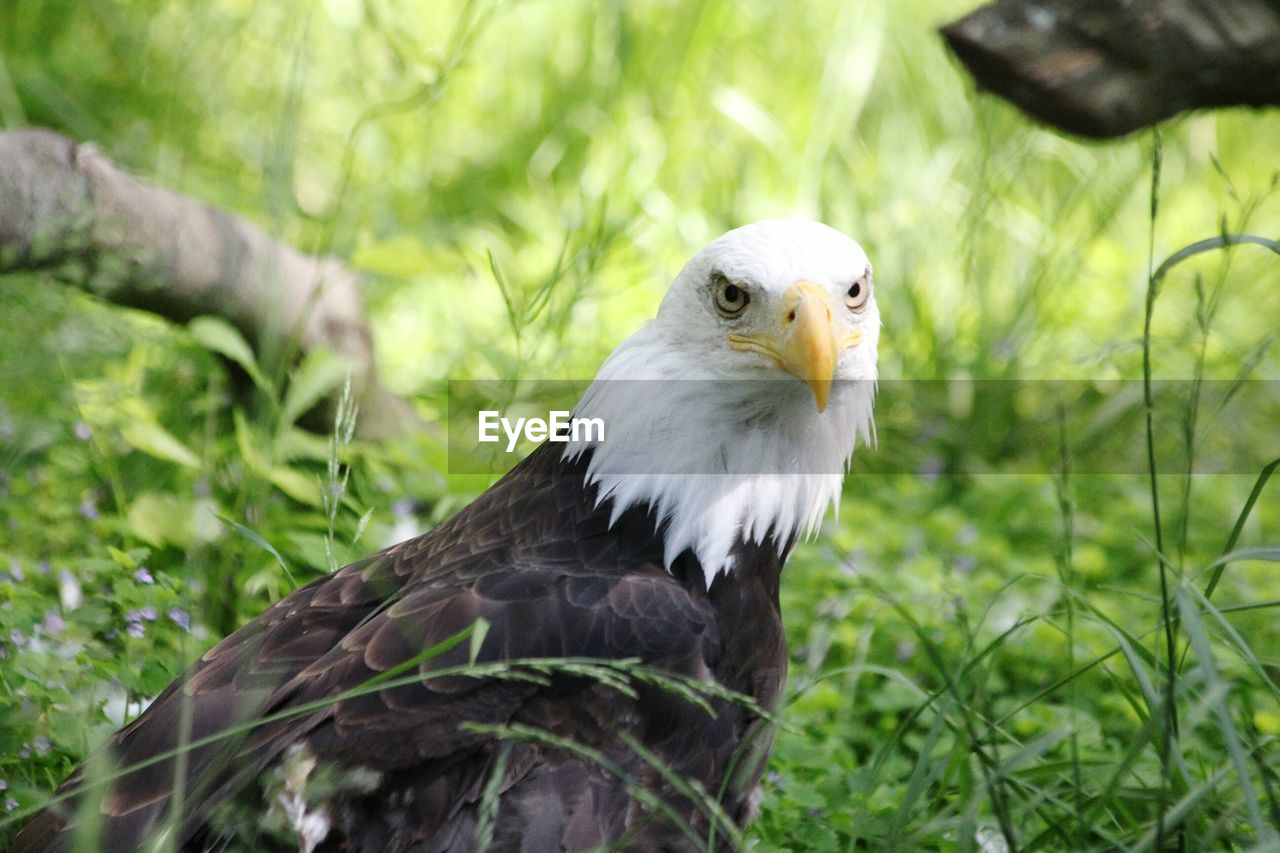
pixel 548 585
pixel 434 768
pixel 231 683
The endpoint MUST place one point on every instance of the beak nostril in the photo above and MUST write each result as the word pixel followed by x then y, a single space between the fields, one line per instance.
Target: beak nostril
pixel 791 318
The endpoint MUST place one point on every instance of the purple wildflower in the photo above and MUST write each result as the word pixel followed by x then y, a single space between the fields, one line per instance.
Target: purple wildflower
pixel 89 509
pixel 16 637
pixel 82 431
pixel 16 571
pixel 905 651
pixel 181 617
pixel 4 785
pixel 402 508
pixel 136 620
pixel 965 564
pixel 933 428
pixel 931 469
pixel 143 576
pixel 53 623
pixel 41 745
pixel 10 804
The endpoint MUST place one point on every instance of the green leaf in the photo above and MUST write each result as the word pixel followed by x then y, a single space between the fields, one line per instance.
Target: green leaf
pixel 295 443
pixel 152 678
pixel 161 519
pixel 1266 553
pixel 296 485
pixel 1217 694
pixel 1258 485
pixel 320 372
pixel 269 583
pixel 256 538
pixel 155 440
pixel 219 336
pixel 247 443
pixel 479 632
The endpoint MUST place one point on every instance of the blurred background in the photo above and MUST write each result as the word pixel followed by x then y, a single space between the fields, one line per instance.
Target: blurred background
pixel 977 654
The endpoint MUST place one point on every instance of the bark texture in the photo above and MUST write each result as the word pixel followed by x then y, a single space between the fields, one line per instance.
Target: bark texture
pixel 65 207
pixel 1105 68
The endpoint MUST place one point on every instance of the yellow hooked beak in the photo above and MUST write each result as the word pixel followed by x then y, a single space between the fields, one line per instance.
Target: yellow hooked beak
pixel 806 344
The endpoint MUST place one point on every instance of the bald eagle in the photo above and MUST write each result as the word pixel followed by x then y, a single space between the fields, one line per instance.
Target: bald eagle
pixel 730 420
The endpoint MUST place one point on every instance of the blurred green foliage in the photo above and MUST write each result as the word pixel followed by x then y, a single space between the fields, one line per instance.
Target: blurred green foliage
pixel 972 653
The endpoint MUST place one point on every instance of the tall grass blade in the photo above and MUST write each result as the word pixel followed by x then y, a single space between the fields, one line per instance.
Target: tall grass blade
pixel 1263 476
pixel 1220 690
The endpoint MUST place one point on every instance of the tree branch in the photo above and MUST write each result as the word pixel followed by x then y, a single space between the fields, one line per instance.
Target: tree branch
pixel 66 207
pixel 1104 68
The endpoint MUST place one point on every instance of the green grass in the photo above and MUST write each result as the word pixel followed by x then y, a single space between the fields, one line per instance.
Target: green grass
pixel 1055 657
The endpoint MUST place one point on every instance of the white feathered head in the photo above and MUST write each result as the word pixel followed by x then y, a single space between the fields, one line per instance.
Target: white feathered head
pixel 734 412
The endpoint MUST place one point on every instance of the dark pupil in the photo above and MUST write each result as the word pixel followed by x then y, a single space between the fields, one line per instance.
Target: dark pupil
pixel 855 291
pixel 732 294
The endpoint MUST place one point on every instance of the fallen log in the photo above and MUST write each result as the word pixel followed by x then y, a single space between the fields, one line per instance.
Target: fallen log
pixel 66 208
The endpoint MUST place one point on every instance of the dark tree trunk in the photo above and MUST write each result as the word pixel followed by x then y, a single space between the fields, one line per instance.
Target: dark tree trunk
pixel 1104 68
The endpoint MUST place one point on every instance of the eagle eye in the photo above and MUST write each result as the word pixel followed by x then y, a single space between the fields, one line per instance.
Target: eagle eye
pixel 731 299
pixel 856 297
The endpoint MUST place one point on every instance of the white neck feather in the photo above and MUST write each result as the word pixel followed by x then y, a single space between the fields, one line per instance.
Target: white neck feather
pixel 719 460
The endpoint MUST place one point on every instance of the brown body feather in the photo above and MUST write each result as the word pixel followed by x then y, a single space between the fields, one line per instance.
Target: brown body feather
pixel 538 560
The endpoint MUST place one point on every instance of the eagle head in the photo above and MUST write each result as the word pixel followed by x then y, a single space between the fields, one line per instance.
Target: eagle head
pixel 776 299
pixel 734 412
